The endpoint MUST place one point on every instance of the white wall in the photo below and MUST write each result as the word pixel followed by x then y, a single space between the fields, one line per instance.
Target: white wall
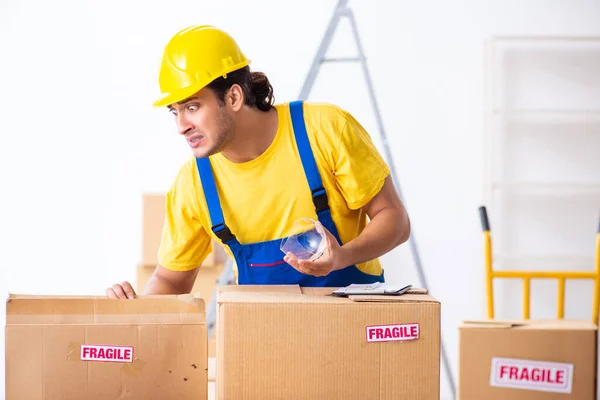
pixel 80 142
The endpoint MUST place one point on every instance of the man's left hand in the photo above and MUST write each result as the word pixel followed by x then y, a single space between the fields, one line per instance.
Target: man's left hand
pixel 331 260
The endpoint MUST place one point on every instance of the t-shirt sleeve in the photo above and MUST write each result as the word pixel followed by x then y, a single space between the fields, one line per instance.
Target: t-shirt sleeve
pixel 184 243
pixel 360 170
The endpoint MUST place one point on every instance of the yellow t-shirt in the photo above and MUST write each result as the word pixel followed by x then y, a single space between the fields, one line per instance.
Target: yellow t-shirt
pixel 263 197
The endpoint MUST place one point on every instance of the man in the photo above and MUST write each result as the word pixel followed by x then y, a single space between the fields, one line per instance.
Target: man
pixel 257 168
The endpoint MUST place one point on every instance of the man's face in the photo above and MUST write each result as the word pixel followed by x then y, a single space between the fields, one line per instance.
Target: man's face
pixel 204 122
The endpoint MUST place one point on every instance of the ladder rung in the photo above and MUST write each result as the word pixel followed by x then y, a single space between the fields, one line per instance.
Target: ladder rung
pixel 342 59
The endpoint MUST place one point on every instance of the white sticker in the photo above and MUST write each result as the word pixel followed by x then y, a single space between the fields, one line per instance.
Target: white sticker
pixel 91 352
pixel 392 333
pixel 542 376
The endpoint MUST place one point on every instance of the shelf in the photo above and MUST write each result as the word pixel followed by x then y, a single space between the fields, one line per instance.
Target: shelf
pixel 544 73
pixel 545 39
pixel 564 187
pixel 542 135
pixel 547 112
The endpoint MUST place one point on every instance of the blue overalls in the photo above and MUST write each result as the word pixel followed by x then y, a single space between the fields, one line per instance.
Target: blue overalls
pixel 262 263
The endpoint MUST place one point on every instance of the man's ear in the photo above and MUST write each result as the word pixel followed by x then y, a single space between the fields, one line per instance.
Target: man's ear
pixel 235 97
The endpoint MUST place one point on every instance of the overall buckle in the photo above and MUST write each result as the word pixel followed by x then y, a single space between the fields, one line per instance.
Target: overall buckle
pixel 223 232
pixel 320 199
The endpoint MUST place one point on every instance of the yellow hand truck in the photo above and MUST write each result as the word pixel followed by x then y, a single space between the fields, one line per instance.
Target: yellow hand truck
pixel 526 276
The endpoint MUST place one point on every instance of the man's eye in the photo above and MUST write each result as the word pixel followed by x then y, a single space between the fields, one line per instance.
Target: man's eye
pixel 173 111
pixel 192 107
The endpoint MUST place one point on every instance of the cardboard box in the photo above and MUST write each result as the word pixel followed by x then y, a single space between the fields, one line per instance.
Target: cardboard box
pixel 74 348
pixel 287 342
pixel 206 283
pixel 527 360
pixel 153 220
pixel 212 345
pixel 152 224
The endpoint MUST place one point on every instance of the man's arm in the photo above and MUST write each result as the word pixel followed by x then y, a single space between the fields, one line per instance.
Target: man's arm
pixel 358 170
pixel 165 281
pixel 388 228
pixel 162 281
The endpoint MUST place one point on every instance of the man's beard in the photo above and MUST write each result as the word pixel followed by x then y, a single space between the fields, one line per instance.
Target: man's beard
pixel 222 139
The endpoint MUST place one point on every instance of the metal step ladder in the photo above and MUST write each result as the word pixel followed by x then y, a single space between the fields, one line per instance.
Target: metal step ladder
pixel 342 10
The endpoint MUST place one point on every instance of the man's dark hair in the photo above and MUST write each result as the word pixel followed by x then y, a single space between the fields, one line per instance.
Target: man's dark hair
pixel 255 85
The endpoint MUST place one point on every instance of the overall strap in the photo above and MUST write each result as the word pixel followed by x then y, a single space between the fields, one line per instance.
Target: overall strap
pixel 207 178
pixel 319 195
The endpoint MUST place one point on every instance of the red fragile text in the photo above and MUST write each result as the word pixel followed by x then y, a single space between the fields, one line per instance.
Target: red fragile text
pixel 533 374
pixel 106 353
pixel 392 333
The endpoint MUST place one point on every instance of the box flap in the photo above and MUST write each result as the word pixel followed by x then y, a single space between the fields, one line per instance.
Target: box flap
pixel 315 295
pixel 405 298
pixel 98 310
pixel 279 298
pixel 547 324
pixel 317 291
pixel 260 288
pixel 490 324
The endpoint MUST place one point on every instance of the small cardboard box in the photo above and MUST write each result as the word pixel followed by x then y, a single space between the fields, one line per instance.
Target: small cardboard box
pixel 287 342
pixel 152 225
pixel 88 347
pixel 527 360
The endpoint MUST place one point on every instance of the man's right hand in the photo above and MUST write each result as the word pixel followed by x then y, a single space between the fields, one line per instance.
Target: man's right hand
pixel 122 290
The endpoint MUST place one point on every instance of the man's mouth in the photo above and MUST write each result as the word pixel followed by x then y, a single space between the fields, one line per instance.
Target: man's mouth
pixel 194 141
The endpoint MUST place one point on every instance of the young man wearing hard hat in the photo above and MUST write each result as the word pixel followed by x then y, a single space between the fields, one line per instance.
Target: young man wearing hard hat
pixel 257 168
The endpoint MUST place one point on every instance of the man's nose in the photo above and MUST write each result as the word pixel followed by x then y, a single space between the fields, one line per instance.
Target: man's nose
pixel 184 125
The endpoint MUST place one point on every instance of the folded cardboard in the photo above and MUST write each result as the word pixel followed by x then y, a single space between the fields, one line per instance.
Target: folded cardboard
pixel 152 225
pixel 287 342
pixel 74 348
pixel 527 360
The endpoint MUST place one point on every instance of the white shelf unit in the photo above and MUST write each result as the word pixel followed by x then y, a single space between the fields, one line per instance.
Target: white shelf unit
pixel 542 154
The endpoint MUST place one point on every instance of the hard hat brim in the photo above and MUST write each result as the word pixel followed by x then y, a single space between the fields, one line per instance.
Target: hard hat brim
pixel 174 97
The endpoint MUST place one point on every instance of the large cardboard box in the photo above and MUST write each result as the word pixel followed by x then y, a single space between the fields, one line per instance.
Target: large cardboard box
pixel 74 348
pixel 527 360
pixel 287 342
pixel 152 225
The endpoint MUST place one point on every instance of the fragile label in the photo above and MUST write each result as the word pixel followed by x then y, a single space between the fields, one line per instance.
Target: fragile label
pixel 531 375
pixel 392 333
pixel 106 353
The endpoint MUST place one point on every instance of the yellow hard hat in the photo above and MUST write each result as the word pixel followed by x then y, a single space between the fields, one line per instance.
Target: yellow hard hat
pixel 193 58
